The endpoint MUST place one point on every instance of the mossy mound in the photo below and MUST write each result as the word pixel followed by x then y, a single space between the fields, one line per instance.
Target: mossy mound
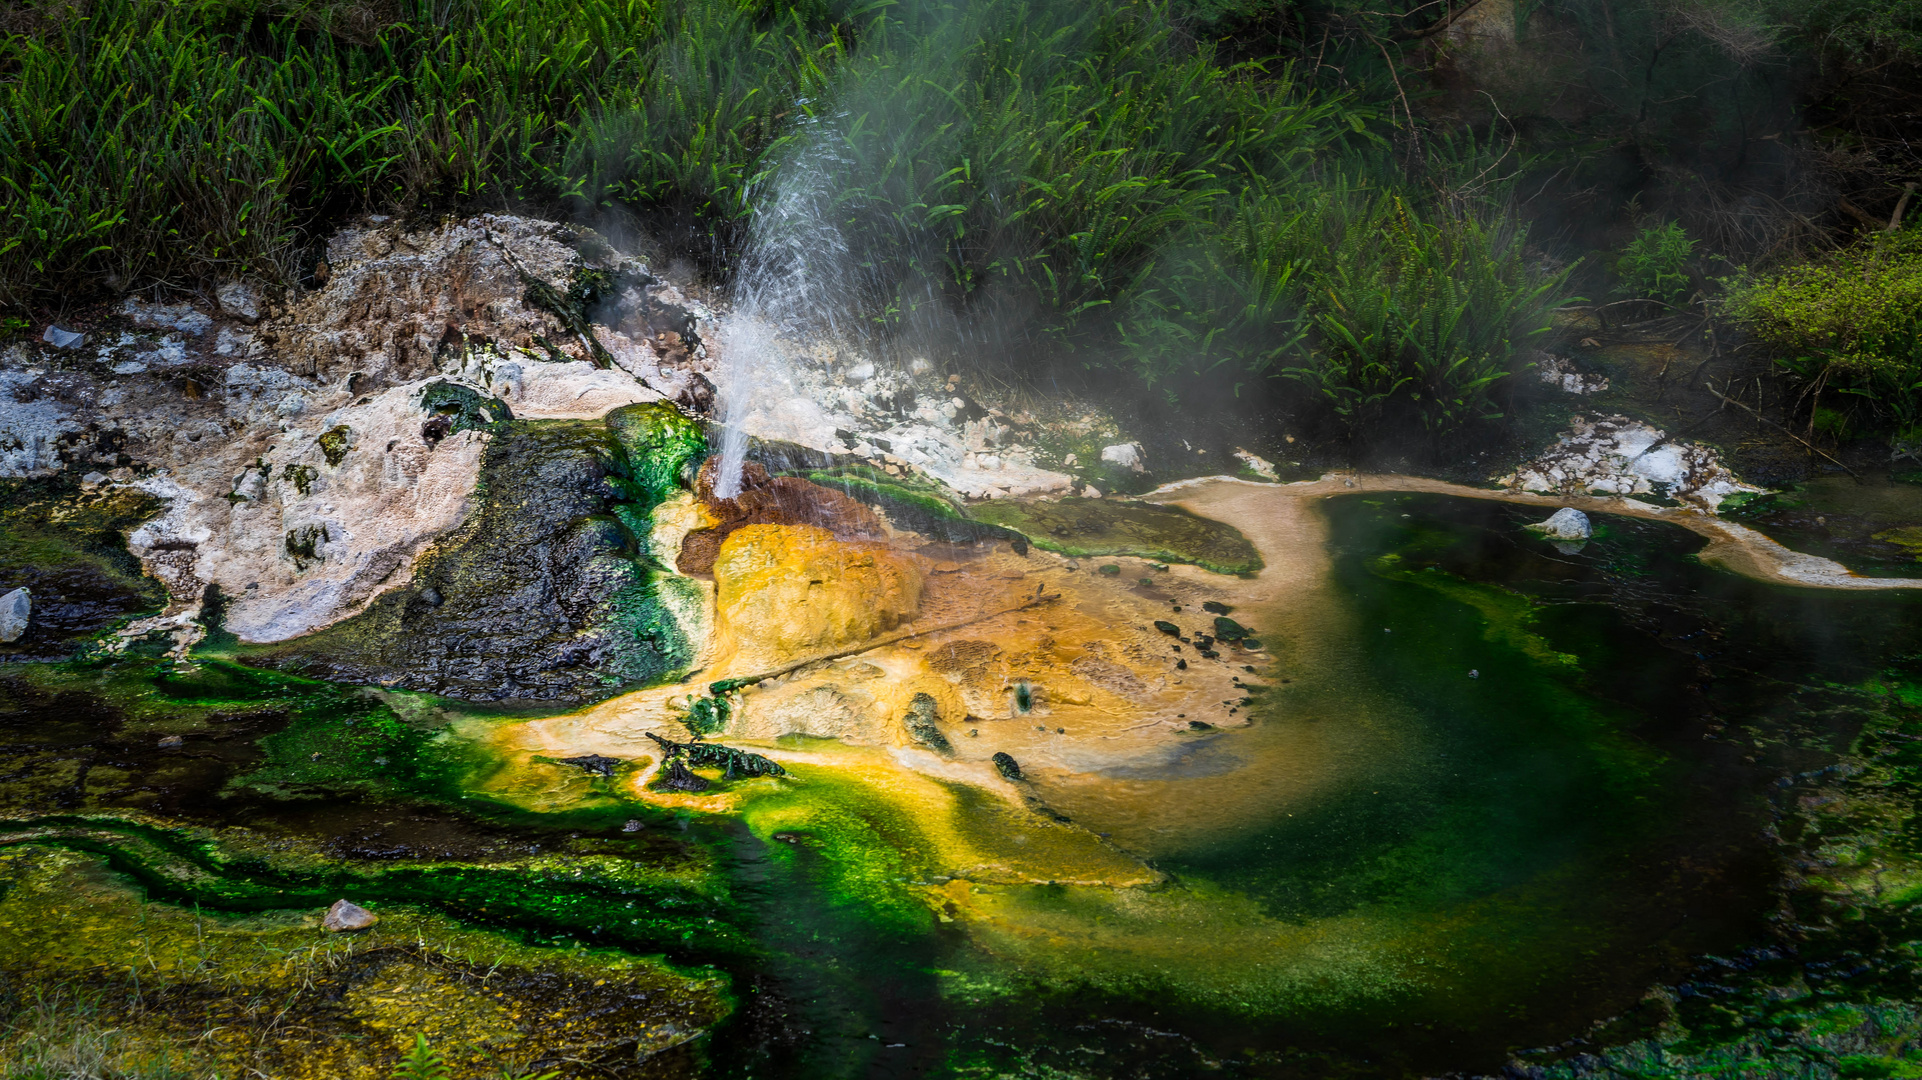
pixel 1085 528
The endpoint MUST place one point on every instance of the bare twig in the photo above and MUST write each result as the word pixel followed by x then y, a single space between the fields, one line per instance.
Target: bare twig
pixel 1758 415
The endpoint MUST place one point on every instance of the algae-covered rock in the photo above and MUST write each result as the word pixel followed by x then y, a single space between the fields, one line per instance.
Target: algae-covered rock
pixel 786 590
pixel 1093 527
pixel 544 593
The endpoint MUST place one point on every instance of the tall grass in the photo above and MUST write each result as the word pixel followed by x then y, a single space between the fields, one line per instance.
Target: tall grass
pixel 1379 313
pixel 1083 172
pixel 183 141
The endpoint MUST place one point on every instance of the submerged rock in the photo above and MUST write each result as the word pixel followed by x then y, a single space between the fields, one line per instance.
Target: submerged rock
pixel 921 727
pixel 347 917
pixel 1567 523
pixel 1006 766
pixel 593 763
pixel 16 610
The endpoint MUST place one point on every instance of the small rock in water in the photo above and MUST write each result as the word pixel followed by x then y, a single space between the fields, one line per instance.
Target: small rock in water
pixel 1167 628
pixel 1091 492
pixel 1474 673
pixel 172 742
pixel 347 917
pixel 1006 766
pixel 1126 455
pixel 16 610
pixel 861 372
pixel 1111 570
pixel 1073 565
pixel 1567 523
pixel 921 727
pixel 678 777
pixel 1215 607
pixel 633 825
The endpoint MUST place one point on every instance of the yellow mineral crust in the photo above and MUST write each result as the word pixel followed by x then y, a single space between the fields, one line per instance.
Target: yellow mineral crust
pixel 787 590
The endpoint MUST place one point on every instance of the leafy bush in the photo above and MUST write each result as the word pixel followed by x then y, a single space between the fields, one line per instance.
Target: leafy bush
pixel 1851 322
pixel 1654 265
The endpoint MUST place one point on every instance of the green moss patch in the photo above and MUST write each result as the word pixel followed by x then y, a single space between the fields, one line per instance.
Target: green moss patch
pixel 1084 528
pixel 87 961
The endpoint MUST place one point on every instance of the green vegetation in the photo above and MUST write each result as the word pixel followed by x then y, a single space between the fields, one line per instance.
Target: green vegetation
pixel 1654 265
pixel 1849 323
pixel 1085 528
pixel 1089 170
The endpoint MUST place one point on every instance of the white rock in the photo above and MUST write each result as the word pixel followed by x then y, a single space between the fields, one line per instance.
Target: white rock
pixel 62 339
pixel 229 343
pixel 180 317
pixel 1567 523
pixel 345 917
pixel 1560 371
pixel 1614 455
pixel 1126 455
pixel 1257 464
pixel 129 367
pixel 239 300
pixel 1091 492
pixel 16 610
pixel 861 372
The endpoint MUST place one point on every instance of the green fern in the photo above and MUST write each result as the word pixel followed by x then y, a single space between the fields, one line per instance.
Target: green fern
pixel 423 1062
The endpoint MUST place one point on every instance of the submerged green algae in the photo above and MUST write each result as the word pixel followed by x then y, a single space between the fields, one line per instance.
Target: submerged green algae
pixel 213 992
pixel 1085 528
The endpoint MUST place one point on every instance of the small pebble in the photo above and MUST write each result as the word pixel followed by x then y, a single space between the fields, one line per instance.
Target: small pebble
pixel 1073 565
pixel 633 825
pixel 171 742
pixel 1474 673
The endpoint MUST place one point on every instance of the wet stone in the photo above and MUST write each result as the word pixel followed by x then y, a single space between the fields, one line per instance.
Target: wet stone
pixel 347 917
pixel 593 763
pixel 1006 766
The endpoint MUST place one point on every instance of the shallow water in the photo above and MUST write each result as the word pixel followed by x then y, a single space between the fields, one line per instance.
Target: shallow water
pixel 1491 793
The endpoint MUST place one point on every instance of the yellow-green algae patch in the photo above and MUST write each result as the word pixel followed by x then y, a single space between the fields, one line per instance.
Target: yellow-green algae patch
pixel 269 993
pixel 1083 528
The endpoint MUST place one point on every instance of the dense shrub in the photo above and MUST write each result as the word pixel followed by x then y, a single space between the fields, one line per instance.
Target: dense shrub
pixel 1654 265
pixel 1848 323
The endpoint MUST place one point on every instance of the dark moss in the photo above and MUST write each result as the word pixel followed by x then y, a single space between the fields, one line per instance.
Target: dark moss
pixel 334 444
pixel 68 547
pixel 1084 528
pixel 463 408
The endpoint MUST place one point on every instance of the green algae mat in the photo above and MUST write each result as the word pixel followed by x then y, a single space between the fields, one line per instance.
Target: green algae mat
pixel 1085 528
pixel 1509 808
